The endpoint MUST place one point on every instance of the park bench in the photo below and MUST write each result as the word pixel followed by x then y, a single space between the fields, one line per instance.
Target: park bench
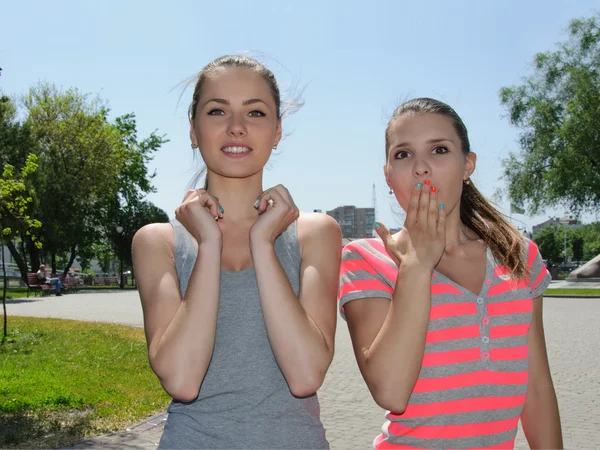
pixel 106 281
pixel 72 283
pixel 33 284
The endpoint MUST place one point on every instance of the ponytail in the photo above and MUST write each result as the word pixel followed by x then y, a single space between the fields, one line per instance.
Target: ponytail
pixel 503 239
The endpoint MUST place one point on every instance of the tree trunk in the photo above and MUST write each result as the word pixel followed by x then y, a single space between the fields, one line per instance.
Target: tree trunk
pixel 34 256
pixel 17 257
pixel 5 284
pixel 23 253
pixel 71 259
pixel 53 261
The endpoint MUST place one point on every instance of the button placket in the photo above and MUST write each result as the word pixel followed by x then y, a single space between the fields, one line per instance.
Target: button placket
pixel 484 325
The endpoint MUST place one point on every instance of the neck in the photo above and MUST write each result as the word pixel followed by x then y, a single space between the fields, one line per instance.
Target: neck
pixel 236 195
pixel 456 231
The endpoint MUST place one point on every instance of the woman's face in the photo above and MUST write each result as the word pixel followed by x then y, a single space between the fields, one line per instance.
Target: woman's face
pixel 236 123
pixel 427 147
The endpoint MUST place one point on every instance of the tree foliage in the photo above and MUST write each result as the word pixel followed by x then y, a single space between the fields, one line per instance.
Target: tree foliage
pixel 557 109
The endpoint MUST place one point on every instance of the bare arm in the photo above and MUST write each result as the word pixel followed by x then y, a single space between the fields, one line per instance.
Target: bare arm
pixel 389 338
pixel 540 418
pixel 180 332
pixel 301 330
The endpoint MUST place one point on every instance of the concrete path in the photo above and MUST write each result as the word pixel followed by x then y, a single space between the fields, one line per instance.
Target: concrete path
pixel 351 417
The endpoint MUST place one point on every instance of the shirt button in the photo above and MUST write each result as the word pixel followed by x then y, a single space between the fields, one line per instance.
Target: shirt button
pixel 485 339
pixel 488 281
pixel 486 355
pixel 480 300
pixel 485 321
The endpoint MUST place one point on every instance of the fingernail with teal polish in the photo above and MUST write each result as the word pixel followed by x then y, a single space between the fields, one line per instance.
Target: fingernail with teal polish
pixel 256 203
pixel 419 185
pixel 216 198
pixel 221 208
pixel 441 206
pixel 376 225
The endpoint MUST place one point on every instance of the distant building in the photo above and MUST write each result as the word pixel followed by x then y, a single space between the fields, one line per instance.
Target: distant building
pixel 355 222
pixel 567 222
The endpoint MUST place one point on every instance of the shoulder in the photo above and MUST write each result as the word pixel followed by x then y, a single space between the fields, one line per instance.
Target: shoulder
pixel 154 236
pixel 531 251
pixel 318 227
pixel 372 246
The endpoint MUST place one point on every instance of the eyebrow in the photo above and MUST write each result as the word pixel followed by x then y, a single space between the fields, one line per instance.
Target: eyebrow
pixel 430 141
pixel 245 102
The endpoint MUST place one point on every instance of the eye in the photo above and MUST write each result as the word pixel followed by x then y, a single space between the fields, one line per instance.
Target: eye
pixel 401 154
pixel 440 150
pixel 216 112
pixel 256 113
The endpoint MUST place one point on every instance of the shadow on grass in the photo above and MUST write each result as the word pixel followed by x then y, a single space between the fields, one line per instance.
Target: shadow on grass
pixel 45 430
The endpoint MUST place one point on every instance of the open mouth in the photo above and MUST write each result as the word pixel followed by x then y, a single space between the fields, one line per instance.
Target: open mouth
pixel 236 151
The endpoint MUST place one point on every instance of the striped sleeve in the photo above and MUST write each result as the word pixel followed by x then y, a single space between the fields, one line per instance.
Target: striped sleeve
pixel 539 277
pixel 366 272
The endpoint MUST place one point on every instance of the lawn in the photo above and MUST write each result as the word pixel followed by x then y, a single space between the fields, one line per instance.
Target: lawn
pixel 22 292
pixel 63 381
pixel 573 291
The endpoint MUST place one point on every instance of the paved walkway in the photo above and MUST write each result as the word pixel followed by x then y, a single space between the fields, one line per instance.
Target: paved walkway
pixel 351 417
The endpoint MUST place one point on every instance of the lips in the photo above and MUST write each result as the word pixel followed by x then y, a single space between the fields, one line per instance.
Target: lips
pixel 236 149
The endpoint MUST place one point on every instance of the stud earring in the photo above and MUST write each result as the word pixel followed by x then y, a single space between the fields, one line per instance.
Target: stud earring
pixel 391 191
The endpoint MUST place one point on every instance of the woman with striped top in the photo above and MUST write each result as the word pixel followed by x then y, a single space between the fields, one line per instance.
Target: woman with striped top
pixel 446 315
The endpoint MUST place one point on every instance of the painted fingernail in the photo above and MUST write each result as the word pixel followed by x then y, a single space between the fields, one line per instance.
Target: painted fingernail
pixel 259 195
pixel 419 185
pixel 441 206
pixel 221 208
pixel 433 189
pixel 256 203
pixel 216 198
pixel 376 225
pixel 427 182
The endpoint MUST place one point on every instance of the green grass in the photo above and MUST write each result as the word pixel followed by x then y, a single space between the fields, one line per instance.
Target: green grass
pixel 573 291
pixel 63 381
pixel 22 292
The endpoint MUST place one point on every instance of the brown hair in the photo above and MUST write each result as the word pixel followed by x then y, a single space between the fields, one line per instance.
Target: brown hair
pixel 234 62
pixel 504 240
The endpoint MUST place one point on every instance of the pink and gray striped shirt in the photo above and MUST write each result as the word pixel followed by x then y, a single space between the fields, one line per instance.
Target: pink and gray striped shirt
pixel 473 380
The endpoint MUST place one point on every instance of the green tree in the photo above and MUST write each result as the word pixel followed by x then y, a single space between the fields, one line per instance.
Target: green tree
pixel 557 109
pixel 80 159
pixel 550 244
pixel 15 200
pixel 591 240
pixel 15 145
pixel 577 247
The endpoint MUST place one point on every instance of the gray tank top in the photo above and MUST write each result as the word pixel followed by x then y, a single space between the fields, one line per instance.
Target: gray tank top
pixel 244 400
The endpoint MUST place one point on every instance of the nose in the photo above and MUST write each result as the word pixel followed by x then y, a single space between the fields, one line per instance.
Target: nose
pixel 421 169
pixel 236 126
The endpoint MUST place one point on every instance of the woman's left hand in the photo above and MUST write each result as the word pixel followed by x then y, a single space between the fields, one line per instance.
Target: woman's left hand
pixel 277 211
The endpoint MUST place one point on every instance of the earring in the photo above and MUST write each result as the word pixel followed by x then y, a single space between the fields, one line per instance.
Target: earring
pixel 274 147
pixel 194 147
pixel 467 181
pixel 391 191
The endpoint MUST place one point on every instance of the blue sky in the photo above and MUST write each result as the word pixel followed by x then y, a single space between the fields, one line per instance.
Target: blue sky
pixel 356 60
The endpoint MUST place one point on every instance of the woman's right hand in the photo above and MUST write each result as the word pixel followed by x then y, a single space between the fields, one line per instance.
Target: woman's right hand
pixel 423 238
pixel 199 213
